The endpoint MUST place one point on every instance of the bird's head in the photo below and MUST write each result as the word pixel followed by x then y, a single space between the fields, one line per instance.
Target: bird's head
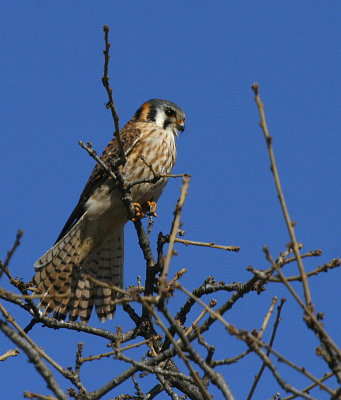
pixel 163 113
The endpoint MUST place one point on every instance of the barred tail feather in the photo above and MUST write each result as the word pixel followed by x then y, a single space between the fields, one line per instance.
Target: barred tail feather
pixel 63 248
pixel 105 265
pixel 54 270
pixel 66 283
pixel 110 271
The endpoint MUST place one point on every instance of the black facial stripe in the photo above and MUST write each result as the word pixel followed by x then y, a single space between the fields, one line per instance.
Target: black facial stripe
pixel 138 113
pixel 166 123
pixel 152 114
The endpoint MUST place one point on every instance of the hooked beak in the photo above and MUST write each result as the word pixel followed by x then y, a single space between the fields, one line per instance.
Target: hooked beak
pixel 180 125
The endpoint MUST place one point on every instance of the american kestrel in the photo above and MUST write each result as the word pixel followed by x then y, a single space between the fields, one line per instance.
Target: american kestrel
pixel 91 242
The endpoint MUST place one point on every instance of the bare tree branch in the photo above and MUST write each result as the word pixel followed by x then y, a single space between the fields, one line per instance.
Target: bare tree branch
pixel 34 357
pixel 4 266
pixel 111 103
pixel 203 244
pixel 171 340
pixel 9 353
pixel 336 262
pixel 289 222
pixel 272 339
pixel 172 236
pixel 308 388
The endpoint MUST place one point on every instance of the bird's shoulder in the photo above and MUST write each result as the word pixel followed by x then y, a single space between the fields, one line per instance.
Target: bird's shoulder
pixel 130 135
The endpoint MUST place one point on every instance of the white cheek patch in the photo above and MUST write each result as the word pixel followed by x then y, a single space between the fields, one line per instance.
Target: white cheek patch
pixel 159 119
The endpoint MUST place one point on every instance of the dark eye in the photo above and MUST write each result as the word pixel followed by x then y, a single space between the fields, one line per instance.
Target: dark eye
pixel 169 112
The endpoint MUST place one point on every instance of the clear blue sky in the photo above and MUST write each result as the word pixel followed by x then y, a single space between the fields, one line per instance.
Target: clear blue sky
pixel 203 55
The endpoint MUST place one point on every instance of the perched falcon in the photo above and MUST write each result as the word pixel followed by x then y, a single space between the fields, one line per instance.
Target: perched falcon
pixel 91 242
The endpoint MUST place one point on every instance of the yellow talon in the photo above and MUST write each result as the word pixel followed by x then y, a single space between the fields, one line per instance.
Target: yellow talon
pixel 147 208
pixel 152 208
pixel 138 211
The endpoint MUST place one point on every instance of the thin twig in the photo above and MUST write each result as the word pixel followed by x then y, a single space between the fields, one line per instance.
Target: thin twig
pixel 178 350
pixel 312 386
pixel 167 388
pixel 176 277
pixel 336 262
pixel 289 222
pixel 274 371
pixel 311 253
pixel 209 286
pixel 156 176
pixel 280 358
pixel 111 103
pixel 65 372
pixel 215 378
pixel 22 333
pixel 4 266
pixel 91 330
pixel 231 360
pixel 204 244
pixel 88 147
pixel 318 328
pixel 254 284
pixel 247 337
pixel 143 366
pixel 258 376
pixel 34 357
pixel 9 353
pixel 9 295
pixel 113 352
pixel 195 323
pixel 99 393
pixel 35 396
pixel 267 317
pixel 172 236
